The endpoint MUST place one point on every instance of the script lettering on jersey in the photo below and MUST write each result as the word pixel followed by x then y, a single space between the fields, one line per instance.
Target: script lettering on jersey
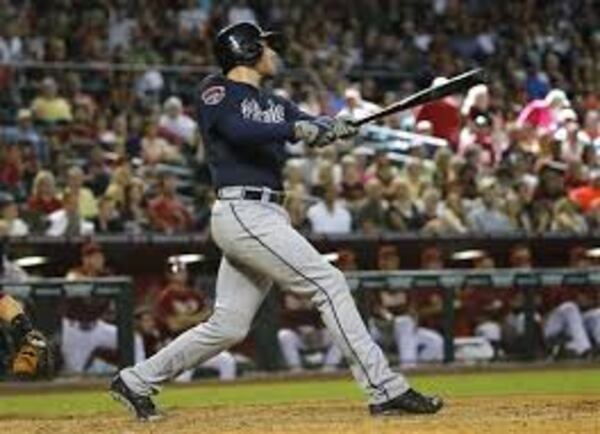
pixel 273 114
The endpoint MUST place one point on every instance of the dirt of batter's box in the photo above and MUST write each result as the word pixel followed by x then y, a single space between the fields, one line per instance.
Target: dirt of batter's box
pixel 476 415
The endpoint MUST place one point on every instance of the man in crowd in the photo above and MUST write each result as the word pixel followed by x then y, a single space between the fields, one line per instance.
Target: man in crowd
pixel 395 320
pixel 88 340
pixel 167 212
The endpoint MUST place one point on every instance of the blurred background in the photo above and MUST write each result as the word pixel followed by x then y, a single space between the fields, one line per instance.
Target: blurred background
pixel 102 173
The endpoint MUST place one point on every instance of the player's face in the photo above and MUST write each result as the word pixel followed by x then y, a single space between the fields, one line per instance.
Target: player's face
pixel 267 65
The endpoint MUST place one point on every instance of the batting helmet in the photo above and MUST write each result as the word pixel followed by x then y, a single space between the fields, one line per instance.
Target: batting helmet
pixel 240 44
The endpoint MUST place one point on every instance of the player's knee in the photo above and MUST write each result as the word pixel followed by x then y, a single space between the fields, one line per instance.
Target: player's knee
pixel 569 308
pixel 404 323
pixel 285 335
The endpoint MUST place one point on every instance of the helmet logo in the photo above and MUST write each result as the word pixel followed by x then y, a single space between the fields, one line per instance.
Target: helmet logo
pixel 213 95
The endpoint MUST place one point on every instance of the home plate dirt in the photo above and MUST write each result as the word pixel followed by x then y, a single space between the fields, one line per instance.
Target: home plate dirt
pixel 544 414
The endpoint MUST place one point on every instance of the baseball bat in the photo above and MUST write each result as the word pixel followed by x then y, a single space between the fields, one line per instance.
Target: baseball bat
pixel 454 85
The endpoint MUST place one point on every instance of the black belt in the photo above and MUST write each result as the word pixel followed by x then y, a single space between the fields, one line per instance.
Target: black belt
pixel 258 195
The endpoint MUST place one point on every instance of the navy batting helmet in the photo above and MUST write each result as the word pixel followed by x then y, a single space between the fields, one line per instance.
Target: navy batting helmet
pixel 240 44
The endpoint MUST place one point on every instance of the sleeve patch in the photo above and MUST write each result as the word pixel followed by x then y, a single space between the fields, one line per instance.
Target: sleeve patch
pixel 213 95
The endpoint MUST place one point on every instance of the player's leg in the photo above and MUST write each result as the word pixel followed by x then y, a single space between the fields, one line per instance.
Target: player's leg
pixel 333 354
pixel 261 236
pixel 239 294
pixel 405 335
pixel 224 364
pixel 76 345
pixel 430 345
pixel 567 319
pixel 290 344
pixel 591 319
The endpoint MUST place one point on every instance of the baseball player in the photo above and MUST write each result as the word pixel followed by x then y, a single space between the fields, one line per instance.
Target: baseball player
pixel 244 128
pixel 33 356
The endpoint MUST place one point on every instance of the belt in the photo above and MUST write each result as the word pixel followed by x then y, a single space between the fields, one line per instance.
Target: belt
pixel 259 194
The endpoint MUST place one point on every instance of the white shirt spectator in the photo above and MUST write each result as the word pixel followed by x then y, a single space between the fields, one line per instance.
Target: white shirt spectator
pixel 176 122
pixel 17 228
pixel 355 106
pixel 325 221
pixel 59 222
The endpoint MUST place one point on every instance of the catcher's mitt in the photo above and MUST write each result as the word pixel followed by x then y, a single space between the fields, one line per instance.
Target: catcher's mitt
pixel 33 359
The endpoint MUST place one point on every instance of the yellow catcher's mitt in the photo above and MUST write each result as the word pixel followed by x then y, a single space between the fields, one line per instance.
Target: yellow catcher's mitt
pixel 33 359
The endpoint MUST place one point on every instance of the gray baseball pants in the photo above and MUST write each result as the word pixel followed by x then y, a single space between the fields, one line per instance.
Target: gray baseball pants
pixel 261 247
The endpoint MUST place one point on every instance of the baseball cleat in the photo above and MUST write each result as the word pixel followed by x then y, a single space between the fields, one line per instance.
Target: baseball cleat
pixel 140 405
pixel 410 402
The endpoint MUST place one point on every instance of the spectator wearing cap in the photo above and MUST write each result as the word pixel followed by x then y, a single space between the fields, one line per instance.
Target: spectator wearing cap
pixel 25 132
pixel 542 115
pixel 43 198
pixel 488 217
pixel 68 220
pixel 176 125
pixel 49 106
pixel 88 206
pixel 167 213
pixel 444 115
pixel 9 217
pixel 330 215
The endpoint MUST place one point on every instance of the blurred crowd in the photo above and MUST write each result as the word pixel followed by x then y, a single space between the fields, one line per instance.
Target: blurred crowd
pixel 91 145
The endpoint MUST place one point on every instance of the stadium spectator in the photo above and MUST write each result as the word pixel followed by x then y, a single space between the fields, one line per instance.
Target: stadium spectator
pixel 25 132
pixel 303 338
pixel 180 308
pixel 166 212
pixel 133 211
pixel 88 206
pixel 395 321
pixel 156 149
pixel 49 106
pixel 68 221
pixel 403 213
pixel 174 124
pixel 488 217
pixel 444 115
pixel 43 199
pixel 371 213
pixel 330 215
pixel 543 115
pixel 13 225
pixel 107 221
pixel 585 196
pixel 88 342
pixel 355 106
